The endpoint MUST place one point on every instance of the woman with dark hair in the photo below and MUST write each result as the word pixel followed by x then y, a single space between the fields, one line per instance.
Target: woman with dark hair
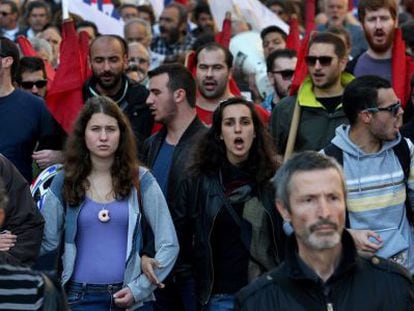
pixel 237 234
pixel 99 203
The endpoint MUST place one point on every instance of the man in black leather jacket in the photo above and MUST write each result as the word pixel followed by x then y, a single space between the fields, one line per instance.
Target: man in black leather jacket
pixel 322 270
pixel 172 103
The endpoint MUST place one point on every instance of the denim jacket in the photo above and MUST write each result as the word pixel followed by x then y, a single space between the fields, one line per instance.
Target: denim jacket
pixel 61 219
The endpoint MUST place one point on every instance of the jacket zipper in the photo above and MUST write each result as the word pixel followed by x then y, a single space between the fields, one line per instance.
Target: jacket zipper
pixel 273 234
pixel 329 307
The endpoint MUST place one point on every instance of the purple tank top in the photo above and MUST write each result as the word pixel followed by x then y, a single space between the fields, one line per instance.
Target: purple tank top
pixel 101 246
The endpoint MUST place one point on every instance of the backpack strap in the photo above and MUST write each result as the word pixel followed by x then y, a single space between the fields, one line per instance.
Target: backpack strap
pixel 402 151
pixel 335 152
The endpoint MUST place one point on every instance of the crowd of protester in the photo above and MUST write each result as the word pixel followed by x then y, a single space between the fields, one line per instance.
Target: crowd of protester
pixel 187 182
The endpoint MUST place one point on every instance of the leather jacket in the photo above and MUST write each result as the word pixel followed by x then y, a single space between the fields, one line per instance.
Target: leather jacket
pixel 203 198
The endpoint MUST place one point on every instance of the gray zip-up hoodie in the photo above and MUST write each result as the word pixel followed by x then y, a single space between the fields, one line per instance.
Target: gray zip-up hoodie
pixel 376 195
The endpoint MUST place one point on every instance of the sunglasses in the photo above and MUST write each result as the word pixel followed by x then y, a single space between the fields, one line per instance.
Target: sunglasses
pixel 29 84
pixel 323 60
pixel 4 14
pixel 286 74
pixel 393 109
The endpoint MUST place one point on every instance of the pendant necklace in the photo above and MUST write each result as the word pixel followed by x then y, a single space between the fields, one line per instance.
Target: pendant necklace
pixel 103 214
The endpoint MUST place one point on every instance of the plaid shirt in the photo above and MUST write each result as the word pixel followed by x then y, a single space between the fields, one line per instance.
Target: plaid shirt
pixel 159 46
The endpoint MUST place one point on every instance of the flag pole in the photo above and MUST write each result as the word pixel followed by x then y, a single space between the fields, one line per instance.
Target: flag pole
pixel 65 9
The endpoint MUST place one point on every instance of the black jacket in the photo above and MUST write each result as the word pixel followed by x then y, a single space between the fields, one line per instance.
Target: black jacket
pixel 357 284
pixel 203 198
pixel 22 217
pixel 131 99
pixel 183 267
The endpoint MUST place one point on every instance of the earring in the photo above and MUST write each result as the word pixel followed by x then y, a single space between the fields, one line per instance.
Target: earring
pixel 287 227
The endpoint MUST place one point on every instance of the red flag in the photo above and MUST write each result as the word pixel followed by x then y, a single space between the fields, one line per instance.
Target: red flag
pixel 293 39
pixel 223 37
pixel 65 96
pixel 28 51
pixel 310 16
pixel 399 67
pixel 301 70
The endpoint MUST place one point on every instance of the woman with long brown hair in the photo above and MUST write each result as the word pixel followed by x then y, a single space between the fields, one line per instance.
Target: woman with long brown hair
pixel 99 203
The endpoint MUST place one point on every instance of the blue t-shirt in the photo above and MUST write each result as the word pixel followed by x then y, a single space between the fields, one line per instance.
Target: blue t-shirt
pixel 24 121
pixel 366 65
pixel 162 166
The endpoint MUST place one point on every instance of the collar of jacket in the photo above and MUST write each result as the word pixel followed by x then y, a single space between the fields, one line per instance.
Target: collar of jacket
pixel 307 97
pixel 347 263
pixel 119 97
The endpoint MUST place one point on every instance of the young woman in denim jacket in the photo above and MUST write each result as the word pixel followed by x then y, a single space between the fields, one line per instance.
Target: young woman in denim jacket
pixel 98 204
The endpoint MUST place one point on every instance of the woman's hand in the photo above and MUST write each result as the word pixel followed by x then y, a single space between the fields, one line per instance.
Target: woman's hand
pixel 147 266
pixel 367 242
pixel 124 298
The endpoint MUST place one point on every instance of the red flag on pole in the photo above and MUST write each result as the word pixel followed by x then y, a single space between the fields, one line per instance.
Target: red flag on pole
pixel 310 16
pixel 293 39
pixel 399 66
pixel 301 69
pixel 64 99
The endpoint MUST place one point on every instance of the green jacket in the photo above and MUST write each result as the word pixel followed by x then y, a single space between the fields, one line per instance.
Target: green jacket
pixel 317 126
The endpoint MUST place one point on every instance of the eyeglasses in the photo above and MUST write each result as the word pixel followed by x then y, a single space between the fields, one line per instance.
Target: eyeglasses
pixel 4 14
pixel 323 60
pixel 138 60
pixel 29 84
pixel 394 109
pixel 286 74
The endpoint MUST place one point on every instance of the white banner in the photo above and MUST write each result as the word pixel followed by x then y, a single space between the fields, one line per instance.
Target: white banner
pixel 252 11
pixel 101 12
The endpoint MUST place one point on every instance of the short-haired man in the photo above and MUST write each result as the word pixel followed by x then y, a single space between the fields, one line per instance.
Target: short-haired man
pixel 9 19
pixel 319 97
pixel 379 20
pixel 172 102
pixel 128 11
pixel 203 19
pixel 139 62
pixel 336 12
pixel 280 65
pixel 38 15
pixel 273 38
pixel 378 164
pixel 213 71
pixel 25 121
pixel 108 57
pixel 31 77
pixel 322 270
pixel 174 39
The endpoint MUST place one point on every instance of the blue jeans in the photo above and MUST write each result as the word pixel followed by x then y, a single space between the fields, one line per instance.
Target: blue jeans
pixel 177 295
pixel 221 302
pixel 96 297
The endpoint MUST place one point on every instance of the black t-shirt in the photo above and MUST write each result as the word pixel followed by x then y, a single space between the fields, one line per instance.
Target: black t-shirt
pixel 330 103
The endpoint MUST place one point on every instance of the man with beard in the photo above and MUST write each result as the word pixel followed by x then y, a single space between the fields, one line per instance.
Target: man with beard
pixel 322 270
pixel 378 164
pixel 379 20
pixel 280 66
pixel 319 97
pixel 108 58
pixel 213 71
pixel 174 39
pixel 38 15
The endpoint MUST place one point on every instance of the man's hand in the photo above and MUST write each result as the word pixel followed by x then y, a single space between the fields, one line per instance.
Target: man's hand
pixel 7 241
pixel 367 242
pixel 124 298
pixel 45 158
pixel 147 266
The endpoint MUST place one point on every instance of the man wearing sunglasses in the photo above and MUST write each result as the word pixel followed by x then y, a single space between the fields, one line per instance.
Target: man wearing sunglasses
pixel 280 69
pixel 378 164
pixel 9 17
pixel 319 98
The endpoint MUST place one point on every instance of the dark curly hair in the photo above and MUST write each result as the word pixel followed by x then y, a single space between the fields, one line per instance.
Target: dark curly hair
pixel 78 165
pixel 210 152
